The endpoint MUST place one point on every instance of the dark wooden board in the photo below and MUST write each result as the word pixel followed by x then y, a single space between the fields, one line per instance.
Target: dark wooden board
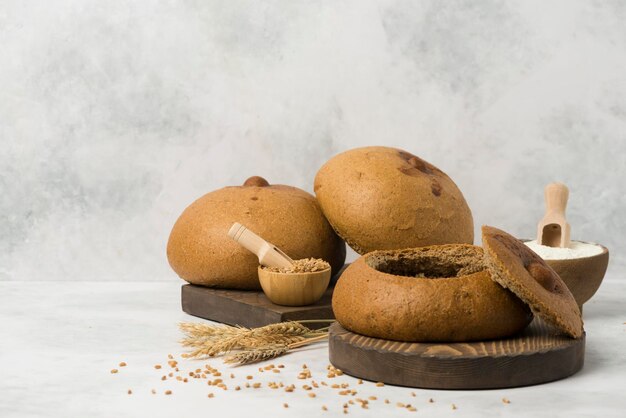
pixel 249 308
pixel 537 355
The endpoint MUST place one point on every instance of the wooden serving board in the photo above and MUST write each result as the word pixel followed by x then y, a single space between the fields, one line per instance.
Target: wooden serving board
pixel 537 355
pixel 249 308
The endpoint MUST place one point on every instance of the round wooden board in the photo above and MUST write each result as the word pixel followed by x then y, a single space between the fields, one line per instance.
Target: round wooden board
pixel 537 355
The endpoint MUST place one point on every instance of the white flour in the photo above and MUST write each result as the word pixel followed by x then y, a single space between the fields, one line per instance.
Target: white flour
pixel 576 249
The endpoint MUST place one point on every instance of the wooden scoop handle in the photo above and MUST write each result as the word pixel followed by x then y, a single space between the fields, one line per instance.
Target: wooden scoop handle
pixel 269 255
pixel 556 195
pixel 553 230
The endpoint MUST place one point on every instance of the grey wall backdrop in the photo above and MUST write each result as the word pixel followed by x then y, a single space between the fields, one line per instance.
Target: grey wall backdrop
pixel 115 115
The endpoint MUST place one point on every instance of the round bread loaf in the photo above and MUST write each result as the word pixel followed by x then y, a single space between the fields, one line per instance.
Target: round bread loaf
pixel 380 198
pixel 435 293
pixel 200 251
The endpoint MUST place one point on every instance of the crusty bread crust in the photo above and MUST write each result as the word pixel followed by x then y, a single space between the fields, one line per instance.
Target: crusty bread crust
pixel 456 301
pixel 526 274
pixel 380 198
pixel 200 251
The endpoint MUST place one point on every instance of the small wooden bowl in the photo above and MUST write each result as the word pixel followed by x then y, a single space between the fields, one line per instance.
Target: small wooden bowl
pixel 294 289
pixel 584 275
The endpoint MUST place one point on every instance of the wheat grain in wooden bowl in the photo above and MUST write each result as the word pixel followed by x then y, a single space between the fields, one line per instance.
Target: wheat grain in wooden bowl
pixel 302 284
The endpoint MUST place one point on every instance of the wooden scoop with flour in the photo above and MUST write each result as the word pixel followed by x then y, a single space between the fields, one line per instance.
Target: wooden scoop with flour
pixel 553 230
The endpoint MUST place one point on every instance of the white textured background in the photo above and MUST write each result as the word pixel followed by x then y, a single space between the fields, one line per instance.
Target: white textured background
pixel 115 115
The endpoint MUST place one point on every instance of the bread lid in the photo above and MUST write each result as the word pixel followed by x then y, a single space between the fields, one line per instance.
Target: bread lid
pixel 516 267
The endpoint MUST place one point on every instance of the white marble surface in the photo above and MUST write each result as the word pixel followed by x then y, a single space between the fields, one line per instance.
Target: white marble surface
pixel 115 115
pixel 59 341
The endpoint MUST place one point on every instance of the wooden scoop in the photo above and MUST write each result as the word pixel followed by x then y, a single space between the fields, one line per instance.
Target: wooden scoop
pixel 289 289
pixel 269 255
pixel 553 230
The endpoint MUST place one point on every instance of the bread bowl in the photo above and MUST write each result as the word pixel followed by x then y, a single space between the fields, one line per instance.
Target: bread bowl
pixel 382 198
pixel 200 251
pixel 433 293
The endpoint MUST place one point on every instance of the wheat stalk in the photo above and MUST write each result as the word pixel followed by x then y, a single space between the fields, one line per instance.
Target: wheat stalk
pixel 256 354
pixel 204 330
pixel 199 334
pixel 211 340
pixel 308 341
